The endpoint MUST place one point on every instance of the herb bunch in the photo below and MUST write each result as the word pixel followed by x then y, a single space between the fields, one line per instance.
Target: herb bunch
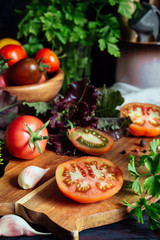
pixel 71 28
pixel 61 22
pixel 150 186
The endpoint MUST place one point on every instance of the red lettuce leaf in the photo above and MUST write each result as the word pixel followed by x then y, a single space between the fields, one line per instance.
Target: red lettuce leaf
pixel 77 105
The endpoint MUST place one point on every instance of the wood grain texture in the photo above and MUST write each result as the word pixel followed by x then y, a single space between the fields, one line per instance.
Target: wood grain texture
pixel 46 205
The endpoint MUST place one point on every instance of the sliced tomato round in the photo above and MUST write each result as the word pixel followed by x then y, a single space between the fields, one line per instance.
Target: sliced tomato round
pixel 90 140
pixel 89 179
pixel 145 119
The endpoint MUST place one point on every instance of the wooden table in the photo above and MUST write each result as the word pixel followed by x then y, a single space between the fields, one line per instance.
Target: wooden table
pixel 46 205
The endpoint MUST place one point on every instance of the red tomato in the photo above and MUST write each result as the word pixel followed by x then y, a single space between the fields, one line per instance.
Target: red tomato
pixel 145 119
pixel 90 140
pixel 89 179
pixel 48 57
pixel 17 137
pixel 13 52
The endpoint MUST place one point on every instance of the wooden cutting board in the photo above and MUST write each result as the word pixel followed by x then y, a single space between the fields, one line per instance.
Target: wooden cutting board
pixel 46 205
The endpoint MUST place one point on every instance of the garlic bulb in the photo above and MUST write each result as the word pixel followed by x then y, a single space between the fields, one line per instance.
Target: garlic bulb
pixel 30 176
pixel 12 225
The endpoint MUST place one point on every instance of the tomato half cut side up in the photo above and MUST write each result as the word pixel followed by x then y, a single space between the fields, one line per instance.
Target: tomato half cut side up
pixel 145 119
pixel 90 140
pixel 89 179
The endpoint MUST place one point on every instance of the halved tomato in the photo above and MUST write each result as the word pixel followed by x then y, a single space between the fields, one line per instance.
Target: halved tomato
pixel 89 179
pixel 90 140
pixel 145 119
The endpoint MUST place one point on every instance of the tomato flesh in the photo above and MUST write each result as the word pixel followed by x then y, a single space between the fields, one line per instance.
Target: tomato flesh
pixel 145 119
pixel 91 141
pixel 89 179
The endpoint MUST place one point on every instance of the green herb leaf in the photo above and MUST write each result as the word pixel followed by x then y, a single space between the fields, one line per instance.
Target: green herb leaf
pixel 40 107
pixel 152 185
pixel 154 144
pixel 108 101
pixel 131 167
pixel 136 186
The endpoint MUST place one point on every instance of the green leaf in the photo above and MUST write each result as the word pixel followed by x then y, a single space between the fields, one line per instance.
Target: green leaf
pixel 128 204
pixel 131 166
pixel 136 186
pixel 154 216
pixel 125 8
pixel 113 2
pixel 108 101
pixel 152 185
pixel 40 107
pixel 149 164
pixel 152 211
pixel 113 49
pixel 154 144
pixel 102 44
pixel 138 213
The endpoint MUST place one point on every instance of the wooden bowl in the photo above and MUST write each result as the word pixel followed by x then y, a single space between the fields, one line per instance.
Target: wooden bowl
pixel 40 92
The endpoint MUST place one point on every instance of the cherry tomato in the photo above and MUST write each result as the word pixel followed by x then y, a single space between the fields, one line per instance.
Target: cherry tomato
pixel 17 137
pixel 90 140
pixel 48 57
pixel 145 119
pixel 24 72
pixel 89 179
pixel 6 41
pixel 13 52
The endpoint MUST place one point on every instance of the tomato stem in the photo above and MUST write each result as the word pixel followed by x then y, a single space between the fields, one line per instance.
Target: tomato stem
pixel 35 137
pixel 70 124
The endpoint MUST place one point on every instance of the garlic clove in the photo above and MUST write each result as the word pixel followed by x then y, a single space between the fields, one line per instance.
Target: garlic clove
pixel 30 176
pixel 12 225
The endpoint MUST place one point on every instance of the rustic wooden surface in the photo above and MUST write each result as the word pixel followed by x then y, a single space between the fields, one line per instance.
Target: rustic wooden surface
pixel 46 205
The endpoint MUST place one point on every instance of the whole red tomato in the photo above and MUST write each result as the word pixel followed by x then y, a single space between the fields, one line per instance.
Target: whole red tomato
pixel 26 137
pixel 24 72
pixel 13 52
pixel 48 57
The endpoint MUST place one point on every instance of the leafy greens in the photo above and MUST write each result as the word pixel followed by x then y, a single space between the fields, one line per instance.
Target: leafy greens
pixel 151 186
pixel 78 105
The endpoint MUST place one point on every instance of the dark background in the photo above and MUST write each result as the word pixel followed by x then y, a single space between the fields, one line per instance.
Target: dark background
pixel 103 66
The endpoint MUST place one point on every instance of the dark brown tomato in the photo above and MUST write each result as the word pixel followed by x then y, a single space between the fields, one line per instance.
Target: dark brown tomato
pixel 24 72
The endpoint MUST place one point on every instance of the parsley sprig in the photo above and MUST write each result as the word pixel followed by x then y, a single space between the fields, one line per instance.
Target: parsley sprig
pixel 151 186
